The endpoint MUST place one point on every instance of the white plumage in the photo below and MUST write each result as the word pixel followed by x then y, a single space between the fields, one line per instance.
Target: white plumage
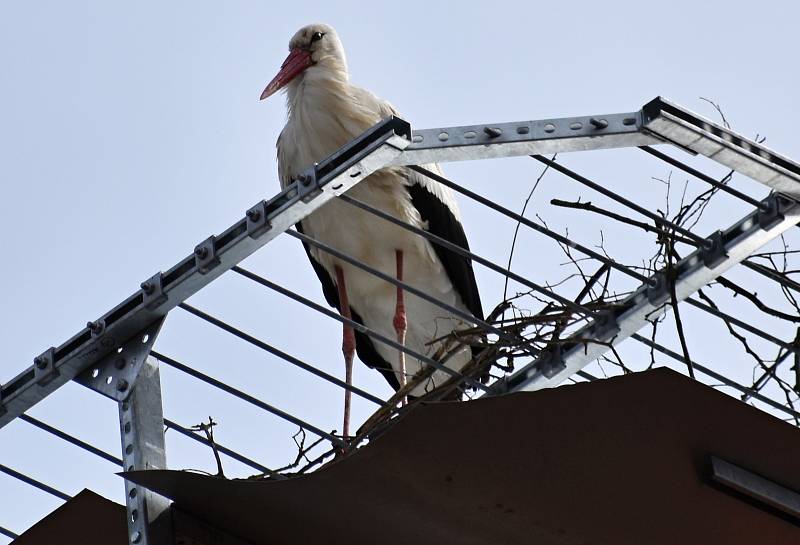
pixel 324 112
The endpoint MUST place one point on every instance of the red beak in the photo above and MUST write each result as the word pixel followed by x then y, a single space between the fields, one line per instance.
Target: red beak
pixel 297 61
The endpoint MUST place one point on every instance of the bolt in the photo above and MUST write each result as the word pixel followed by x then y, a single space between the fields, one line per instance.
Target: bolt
pixel 40 362
pixel 201 252
pixel 598 123
pixel 122 385
pixel 147 287
pixel 119 363
pixel 254 215
pixel 492 132
pixel 95 327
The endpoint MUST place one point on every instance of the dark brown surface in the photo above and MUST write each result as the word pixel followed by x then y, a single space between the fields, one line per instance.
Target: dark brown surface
pixel 620 461
pixel 86 519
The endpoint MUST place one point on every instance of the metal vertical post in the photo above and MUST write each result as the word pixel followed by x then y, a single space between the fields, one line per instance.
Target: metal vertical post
pixel 141 422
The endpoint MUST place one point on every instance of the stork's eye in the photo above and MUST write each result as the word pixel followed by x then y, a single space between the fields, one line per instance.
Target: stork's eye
pixel 316 37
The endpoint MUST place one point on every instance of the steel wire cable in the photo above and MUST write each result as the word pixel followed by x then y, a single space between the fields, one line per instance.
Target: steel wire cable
pixel 367 331
pixel 70 439
pixel 695 240
pixel 528 223
pixel 277 352
pixel 8 533
pixel 602 259
pixel 248 398
pixel 113 459
pixel 716 376
pixel 33 482
pixel 704 177
pixel 466 253
pixel 399 283
pixel 169 424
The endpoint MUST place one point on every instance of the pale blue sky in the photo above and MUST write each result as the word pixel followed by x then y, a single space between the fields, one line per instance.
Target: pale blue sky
pixel 130 132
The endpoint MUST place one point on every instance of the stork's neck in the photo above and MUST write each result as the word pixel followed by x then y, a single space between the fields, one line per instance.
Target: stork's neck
pixel 320 87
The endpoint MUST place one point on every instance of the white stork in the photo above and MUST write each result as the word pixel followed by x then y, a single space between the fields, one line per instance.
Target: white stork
pixel 324 112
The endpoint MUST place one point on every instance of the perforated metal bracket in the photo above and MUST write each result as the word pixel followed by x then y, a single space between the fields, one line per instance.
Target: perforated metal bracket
pixel 713 250
pixel 205 255
pixel 153 295
pixel 770 215
pixel 551 362
pixel 257 222
pixel 658 292
pixel 44 369
pixel 605 325
pixel 308 185
pixel 115 375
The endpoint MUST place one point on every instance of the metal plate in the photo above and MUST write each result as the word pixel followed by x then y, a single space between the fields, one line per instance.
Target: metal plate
pixel 115 375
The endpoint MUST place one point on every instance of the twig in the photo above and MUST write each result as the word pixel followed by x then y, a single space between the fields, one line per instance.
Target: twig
pixel 208 429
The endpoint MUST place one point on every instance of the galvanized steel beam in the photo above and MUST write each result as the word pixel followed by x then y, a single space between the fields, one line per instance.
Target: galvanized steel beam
pixel 390 142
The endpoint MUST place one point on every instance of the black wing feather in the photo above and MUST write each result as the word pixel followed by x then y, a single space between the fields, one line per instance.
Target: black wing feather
pixel 443 223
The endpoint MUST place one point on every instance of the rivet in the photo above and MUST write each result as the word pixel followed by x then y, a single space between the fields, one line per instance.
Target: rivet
pixel 417 138
pixel 549 127
pixel 576 126
pixel 470 134
pixel 443 136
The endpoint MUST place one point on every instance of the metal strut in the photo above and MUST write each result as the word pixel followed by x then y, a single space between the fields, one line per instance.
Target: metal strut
pixel 130 376
pixel 141 424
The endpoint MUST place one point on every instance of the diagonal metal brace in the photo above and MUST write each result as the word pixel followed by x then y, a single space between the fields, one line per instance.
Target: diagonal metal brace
pixel 115 375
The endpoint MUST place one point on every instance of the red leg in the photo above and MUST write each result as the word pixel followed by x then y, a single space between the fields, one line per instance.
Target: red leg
pixel 400 323
pixel 348 347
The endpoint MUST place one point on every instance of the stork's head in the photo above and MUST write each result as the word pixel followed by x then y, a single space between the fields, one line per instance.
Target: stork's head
pixel 314 49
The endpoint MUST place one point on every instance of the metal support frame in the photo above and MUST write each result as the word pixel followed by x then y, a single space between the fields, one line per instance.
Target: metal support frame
pixel 91 357
pixel 722 251
pixel 129 376
pixel 388 143
pixel 114 375
pixel 141 424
